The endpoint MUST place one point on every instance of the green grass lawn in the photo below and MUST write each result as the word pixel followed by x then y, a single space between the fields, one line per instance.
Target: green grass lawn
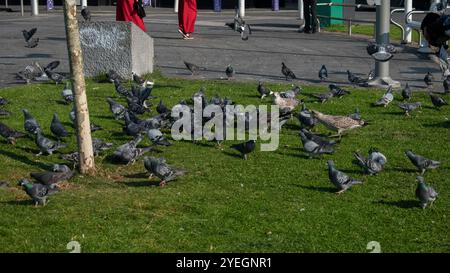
pixel 368 29
pixel 274 202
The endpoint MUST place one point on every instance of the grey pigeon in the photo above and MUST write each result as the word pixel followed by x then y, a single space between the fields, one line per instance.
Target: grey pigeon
pixel 245 148
pixel 374 163
pixel 67 93
pixel 157 138
pixel 387 98
pixel 46 145
pixel 61 168
pixel 291 94
pixel 51 66
pixel 3 101
pixel 409 107
pixel 354 79
pixel 32 43
pixel 338 91
pixel 52 178
pixel 28 34
pixel 446 84
pixel 428 79
pixel 57 128
pixel 30 124
pixel 262 90
pixel 161 169
pixel 356 115
pixel 315 148
pixel 38 192
pixel 86 13
pixel 117 109
pixel 95 127
pixel 426 194
pixel 4 112
pixel 129 152
pixel 371 75
pixel 99 145
pixel 135 106
pixel 407 92
pixel 25 75
pixel 112 76
pixel 55 77
pixel 323 73
pixel 9 133
pixel 437 100
pixel 137 79
pixel 131 128
pixel 161 108
pixel 322 97
pixel 193 67
pixel 120 89
pixel 339 179
pixel 73 115
pixel 229 71
pixel 287 72
pixel 421 162
pixel 305 117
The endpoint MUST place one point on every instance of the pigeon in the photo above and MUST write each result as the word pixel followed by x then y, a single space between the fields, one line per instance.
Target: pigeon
pixel 339 124
pixel 38 192
pixel 4 112
pixel 9 133
pixel 51 66
pixel 229 71
pixel 117 109
pixel 421 162
pixel 46 145
pixel 137 79
pixel 135 107
pixel 3 101
pixel 99 145
pixel 426 194
pixel 30 123
pixel 86 13
pixel 95 127
pixel 284 103
pixel 323 73
pixel 57 128
pixel 121 90
pixel 67 93
pixel 161 108
pixel 428 79
pixel 131 128
pixel 306 117
pixel 245 147
pixel 371 75
pixel 353 79
pixel 322 97
pixel 291 94
pixel 372 48
pixel 73 115
pixel 356 115
pixel 193 67
pixel 315 148
pixel 387 98
pixel 446 84
pixel 374 163
pixel 113 76
pixel 262 90
pixel 407 92
pixel 339 179
pixel 57 78
pixel 337 91
pixel 50 179
pixel 28 34
pixel 409 107
pixel 25 75
pixel 161 169
pixel 437 101
pixel 129 152
pixel 157 138
pixel 287 72
pixel 32 43
pixel 318 139
pixel 61 168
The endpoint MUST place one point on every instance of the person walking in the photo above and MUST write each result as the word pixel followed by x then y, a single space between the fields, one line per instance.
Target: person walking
pixel 309 7
pixel 127 10
pixel 187 15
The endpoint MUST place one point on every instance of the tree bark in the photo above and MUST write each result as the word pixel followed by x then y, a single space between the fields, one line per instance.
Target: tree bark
pixel 86 155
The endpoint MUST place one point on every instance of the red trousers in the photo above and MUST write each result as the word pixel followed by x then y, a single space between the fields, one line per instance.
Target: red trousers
pixel 125 12
pixel 187 14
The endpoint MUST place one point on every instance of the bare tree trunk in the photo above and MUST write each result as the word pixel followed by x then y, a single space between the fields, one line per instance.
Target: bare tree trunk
pixel 79 88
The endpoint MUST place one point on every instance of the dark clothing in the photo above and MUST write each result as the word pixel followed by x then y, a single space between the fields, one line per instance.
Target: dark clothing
pixel 309 7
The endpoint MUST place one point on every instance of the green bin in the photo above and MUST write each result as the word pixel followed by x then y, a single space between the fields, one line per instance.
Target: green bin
pixel 331 11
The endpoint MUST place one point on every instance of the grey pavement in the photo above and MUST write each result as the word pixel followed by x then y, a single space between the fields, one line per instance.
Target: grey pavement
pixel 275 39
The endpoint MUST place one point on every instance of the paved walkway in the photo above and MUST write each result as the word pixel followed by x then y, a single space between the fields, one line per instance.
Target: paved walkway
pixel 275 39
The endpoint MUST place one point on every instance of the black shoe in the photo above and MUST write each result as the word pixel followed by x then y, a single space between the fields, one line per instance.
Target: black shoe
pixel 307 31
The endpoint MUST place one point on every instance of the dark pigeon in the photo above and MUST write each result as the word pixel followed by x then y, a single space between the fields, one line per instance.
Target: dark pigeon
pixel 46 145
pixel 161 169
pixel 339 179
pixel 9 133
pixel 57 128
pixel 30 123
pixel 287 72
pixel 245 147
pixel 38 192
pixel 421 162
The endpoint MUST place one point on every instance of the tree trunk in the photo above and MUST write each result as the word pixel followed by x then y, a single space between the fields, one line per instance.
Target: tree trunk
pixel 86 156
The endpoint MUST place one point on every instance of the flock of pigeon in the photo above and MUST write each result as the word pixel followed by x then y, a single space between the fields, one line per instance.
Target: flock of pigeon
pixel 135 126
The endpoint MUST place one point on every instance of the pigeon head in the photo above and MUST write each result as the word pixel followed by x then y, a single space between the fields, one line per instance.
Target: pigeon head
pixel 420 179
pixel 60 168
pixel 24 183
pixel 26 114
pixel 330 163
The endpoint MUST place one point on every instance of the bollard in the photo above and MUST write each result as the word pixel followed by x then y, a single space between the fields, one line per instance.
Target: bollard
pixel 217 5
pixel 34 7
pixel 175 6
pixel 84 3
pixel 275 5
pixel 242 8
pixel 408 30
pixel 50 5
pixel 21 7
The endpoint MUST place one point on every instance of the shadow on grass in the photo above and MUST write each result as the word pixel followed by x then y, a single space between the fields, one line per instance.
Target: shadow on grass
pixel 24 159
pixel 19 202
pixel 404 204
pixel 144 183
pixel 137 175
pixel 234 154
pixel 443 124
pixel 321 189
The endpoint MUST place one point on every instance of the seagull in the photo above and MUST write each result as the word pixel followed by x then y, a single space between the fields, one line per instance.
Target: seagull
pixel 287 72
pixel 407 92
pixel 374 163
pixel 245 147
pixel 426 194
pixel 159 168
pixel 339 124
pixel 387 98
pixel 339 179
pixel 323 73
pixel 421 162
pixel 38 192
pixel 229 71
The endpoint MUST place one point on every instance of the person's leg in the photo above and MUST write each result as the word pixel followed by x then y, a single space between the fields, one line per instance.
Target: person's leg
pixel 190 15
pixel 314 26
pixel 180 16
pixel 307 16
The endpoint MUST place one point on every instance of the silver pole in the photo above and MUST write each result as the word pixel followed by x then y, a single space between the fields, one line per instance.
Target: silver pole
pixel 175 6
pixel 242 8
pixel 6 3
pixel 21 7
pixel 408 30
pixel 84 3
pixel 34 7
pixel 382 78
pixel 301 14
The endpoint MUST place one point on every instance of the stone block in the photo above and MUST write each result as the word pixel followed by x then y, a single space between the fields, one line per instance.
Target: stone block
pixel 120 46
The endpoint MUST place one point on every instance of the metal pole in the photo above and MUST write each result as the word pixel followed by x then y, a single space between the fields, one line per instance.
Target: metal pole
pixel 21 7
pixel 408 30
pixel 84 3
pixel 34 7
pixel 6 3
pixel 217 5
pixel 382 77
pixel 175 6
pixel 275 5
pixel 242 8
pixel 301 14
